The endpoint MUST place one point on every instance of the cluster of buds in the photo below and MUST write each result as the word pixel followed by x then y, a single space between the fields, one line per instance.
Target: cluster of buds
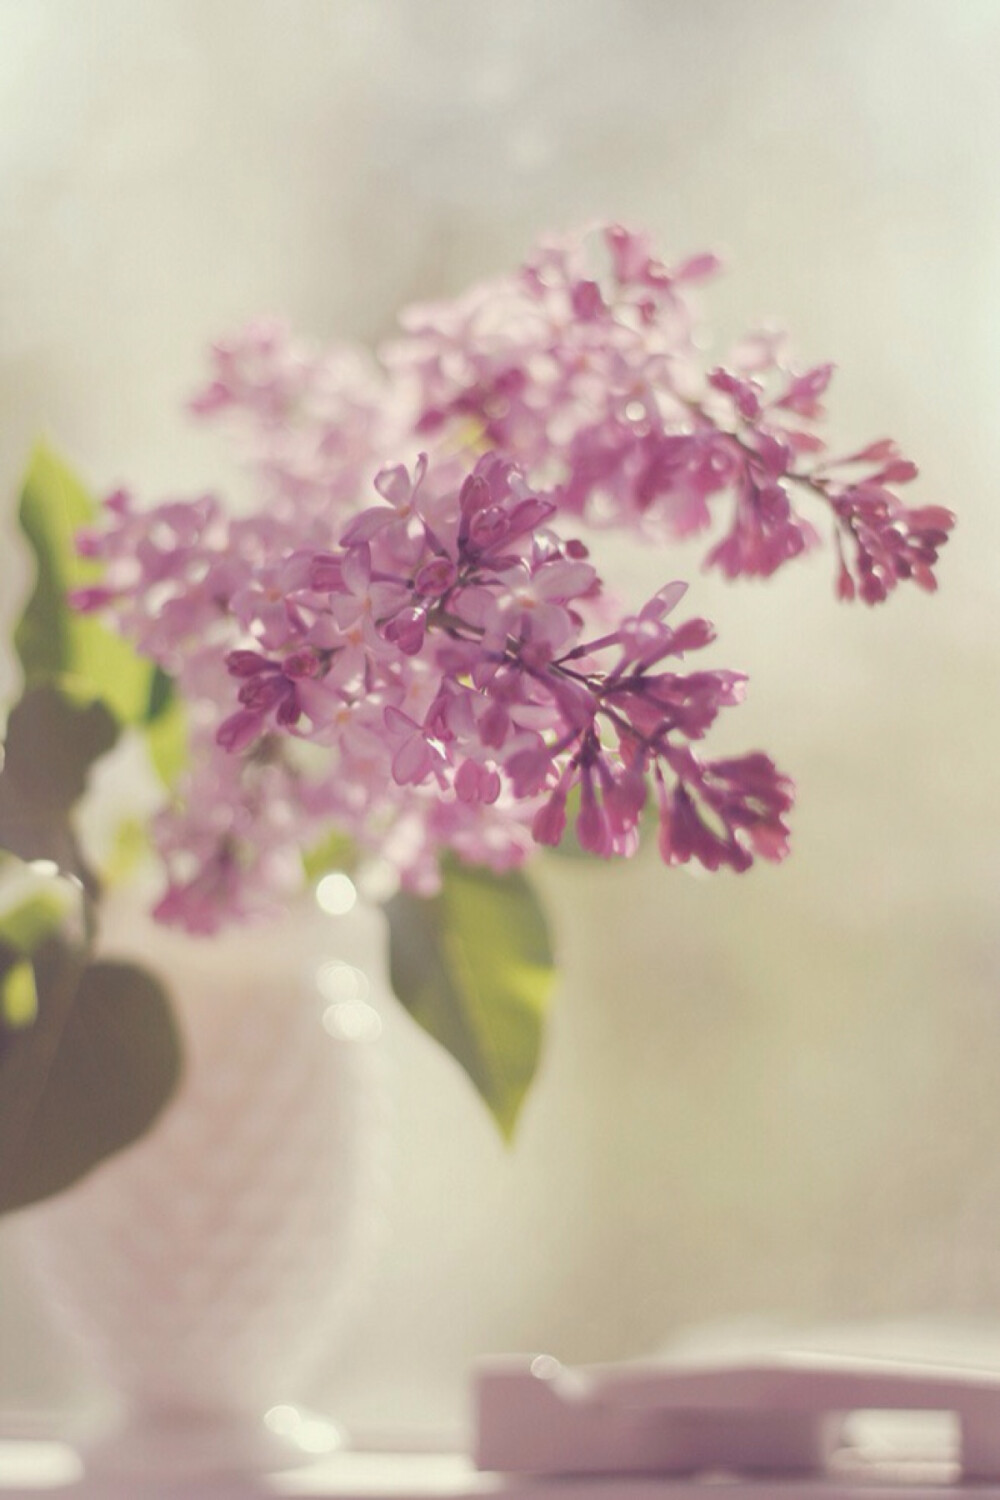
pixel 407 643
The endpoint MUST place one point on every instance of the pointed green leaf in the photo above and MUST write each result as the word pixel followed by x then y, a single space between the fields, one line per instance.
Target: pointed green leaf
pixel 54 505
pixel 55 643
pixel 18 995
pixel 473 965
pixel 166 736
pixel 88 1078
pixel 161 695
pixel 129 848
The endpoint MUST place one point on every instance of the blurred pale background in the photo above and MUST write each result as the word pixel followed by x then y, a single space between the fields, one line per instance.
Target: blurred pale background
pixel 768 1101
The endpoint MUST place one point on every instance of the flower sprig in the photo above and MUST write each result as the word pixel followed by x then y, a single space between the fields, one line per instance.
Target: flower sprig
pixel 408 642
pixel 584 369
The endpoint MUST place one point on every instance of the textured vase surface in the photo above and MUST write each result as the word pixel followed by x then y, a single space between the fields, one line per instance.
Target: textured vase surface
pixel 211 1266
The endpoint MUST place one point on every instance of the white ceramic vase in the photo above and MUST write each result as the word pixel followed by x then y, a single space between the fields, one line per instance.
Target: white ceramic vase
pixel 211 1267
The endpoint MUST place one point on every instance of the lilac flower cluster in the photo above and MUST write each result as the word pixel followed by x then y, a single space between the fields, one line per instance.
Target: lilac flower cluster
pixel 416 653
pixel 584 371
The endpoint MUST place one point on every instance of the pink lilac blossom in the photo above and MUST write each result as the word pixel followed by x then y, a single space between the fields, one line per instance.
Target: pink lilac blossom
pixel 582 368
pixel 417 653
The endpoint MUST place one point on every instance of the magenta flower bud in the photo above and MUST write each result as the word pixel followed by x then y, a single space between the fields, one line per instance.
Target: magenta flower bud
pixel 476 784
pixel 302 664
pixel 436 577
pixel 88 543
pixel 489 526
pixel 264 692
pixel 494 725
pixel 215 397
pixel 408 630
pixel 802 395
pixel 743 392
pixel 290 708
pixel 88 599
pixel 625 799
pixel 249 664
pixel 692 636
pixel 239 730
pixel 775 455
pixel 529 770
pixel 549 823
pixel 697 267
pixel 474 495
pixel 592 828
pixel 586 301
pixel 898 471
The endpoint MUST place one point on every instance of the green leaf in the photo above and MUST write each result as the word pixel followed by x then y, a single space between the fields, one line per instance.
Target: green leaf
pixel 129 848
pixel 54 642
pixel 166 736
pixel 53 507
pixel 161 695
pixel 165 724
pixel 18 995
pixel 88 1078
pixel 28 923
pixel 335 852
pixel 50 747
pixel 473 966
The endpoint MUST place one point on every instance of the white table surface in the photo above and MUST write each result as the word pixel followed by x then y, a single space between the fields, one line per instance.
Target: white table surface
pixel 35 1468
